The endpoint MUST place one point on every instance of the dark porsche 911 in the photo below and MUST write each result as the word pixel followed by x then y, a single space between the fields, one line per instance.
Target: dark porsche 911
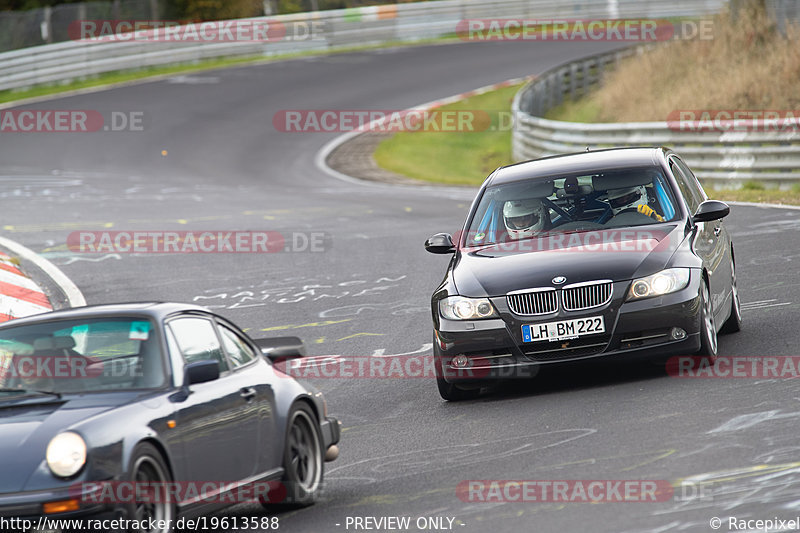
pixel 597 254
pixel 150 412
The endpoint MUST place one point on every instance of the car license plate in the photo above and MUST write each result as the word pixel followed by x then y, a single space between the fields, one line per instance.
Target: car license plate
pixel 563 329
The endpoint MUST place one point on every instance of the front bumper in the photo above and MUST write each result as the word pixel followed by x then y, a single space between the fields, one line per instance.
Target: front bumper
pixel 331 430
pixel 28 507
pixel 495 349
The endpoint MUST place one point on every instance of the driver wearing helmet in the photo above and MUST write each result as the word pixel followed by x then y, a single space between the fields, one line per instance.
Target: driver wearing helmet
pixel 632 199
pixel 524 218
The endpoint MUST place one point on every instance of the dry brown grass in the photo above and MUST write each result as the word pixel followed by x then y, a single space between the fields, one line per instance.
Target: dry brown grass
pixel 747 64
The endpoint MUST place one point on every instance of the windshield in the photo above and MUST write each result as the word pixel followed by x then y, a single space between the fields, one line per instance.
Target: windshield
pixel 81 356
pixel 579 202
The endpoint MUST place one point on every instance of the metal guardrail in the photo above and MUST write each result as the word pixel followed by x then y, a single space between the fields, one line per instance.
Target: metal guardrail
pixel 744 152
pixel 62 62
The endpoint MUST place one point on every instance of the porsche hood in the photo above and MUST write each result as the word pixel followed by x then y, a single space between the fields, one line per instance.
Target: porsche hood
pixel 28 424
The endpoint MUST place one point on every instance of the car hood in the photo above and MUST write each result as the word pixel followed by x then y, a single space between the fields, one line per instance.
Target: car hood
pixel 27 425
pixel 618 254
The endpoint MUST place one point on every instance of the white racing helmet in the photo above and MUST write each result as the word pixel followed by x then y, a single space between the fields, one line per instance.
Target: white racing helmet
pixel 524 218
pixel 628 198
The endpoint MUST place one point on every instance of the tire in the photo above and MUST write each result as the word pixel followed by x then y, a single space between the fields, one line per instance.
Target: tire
pixel 148 466
pixel 303 458
pixel 734 322
pixel 708 332
pixel 450 391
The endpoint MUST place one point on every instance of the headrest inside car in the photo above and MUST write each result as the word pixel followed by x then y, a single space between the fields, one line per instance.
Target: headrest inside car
pixel 44 343
pixel 64 342
pixel 53 343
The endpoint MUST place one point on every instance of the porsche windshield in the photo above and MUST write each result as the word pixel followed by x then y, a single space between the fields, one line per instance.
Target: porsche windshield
pixel 579 202
pixel 81 356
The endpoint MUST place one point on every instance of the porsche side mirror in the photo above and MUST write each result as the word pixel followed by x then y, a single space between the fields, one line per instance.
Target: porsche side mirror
pixel 201 372
pixel 711 210
pixel 441 243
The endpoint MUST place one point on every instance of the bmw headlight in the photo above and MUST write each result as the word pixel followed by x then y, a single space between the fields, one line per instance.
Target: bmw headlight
pixel 66 454
pixel 460 308
pixel 660 283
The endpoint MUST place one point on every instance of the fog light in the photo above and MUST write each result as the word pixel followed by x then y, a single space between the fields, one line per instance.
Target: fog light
pixel 678 334
pixel 460 361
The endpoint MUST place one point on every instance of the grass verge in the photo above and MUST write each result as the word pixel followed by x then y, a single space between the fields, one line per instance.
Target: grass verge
pixel 466 158
pixel 585 110
pixel 756 194
pixel 455 157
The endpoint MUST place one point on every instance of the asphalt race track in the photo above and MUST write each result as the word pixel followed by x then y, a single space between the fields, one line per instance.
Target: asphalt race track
pixel 404 450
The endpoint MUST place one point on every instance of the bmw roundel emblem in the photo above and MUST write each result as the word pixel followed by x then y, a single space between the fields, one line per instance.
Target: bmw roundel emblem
pixel 558 280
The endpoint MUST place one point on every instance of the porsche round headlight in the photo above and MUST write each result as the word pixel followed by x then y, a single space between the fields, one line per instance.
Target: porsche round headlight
pixel 66 454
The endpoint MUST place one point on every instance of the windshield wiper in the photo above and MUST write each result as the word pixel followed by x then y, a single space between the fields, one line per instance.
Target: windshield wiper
pixel 28 391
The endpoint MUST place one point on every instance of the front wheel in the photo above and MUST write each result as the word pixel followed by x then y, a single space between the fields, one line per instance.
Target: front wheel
pixel 708 331
pixel 302 457
pixel 148 470
pixel 734 322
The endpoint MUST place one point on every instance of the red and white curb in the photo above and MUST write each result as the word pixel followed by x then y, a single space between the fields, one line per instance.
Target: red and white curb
pixel 320 160
pixel 19 295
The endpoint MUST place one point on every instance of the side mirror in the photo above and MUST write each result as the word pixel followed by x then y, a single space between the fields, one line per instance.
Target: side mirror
pixel 201 372
pixel 281 348
pixel 711 210
pixel 441 243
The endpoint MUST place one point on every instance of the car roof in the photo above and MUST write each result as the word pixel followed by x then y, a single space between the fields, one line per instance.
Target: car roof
pixel 154 310
pixel 589 161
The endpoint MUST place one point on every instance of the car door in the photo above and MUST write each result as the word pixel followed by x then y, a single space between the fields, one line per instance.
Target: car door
pixel 710 242
pixel 251 373
pixel 217 422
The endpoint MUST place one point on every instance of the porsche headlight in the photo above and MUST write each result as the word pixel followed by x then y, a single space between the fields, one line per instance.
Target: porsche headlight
pixel 660 283
pixel 66 454
pixel 460 308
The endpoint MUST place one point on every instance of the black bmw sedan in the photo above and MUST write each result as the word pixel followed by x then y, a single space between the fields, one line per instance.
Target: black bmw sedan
pixel 598 254
pixel 140 416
